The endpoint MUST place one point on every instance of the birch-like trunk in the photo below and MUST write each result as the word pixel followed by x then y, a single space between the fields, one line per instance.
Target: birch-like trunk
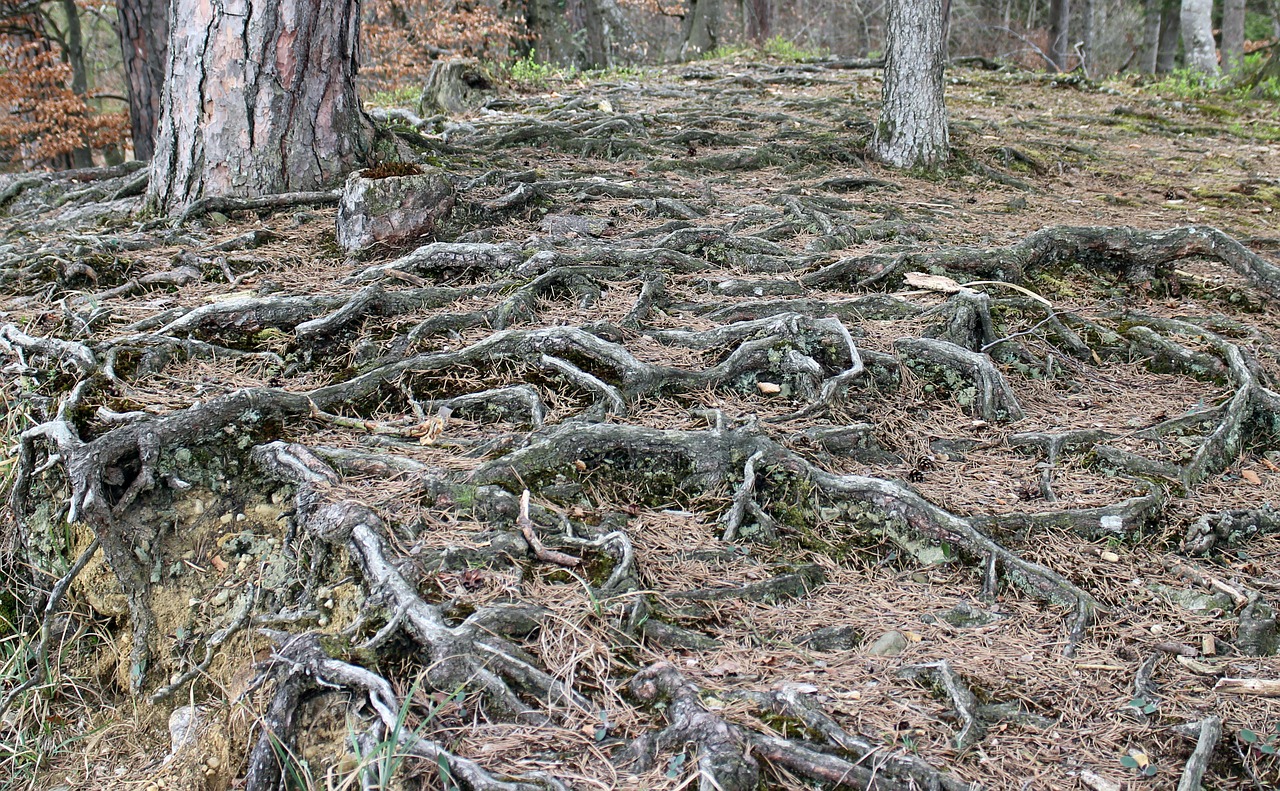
pixel 1197 36
pixel 144 40
pixel 912 131
pixel 259 98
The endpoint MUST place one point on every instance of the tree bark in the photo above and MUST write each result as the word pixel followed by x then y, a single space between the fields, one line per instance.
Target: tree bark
pixel 259 98
pixel 1152 13
pixel 1197 36
pixel 912 131
pixel 1088 30
pixel 757 20
pixel 701 28
pixel 1232 34
pixel 1059 33
pixel 1170 32
pixel 553 40
pixel 144 42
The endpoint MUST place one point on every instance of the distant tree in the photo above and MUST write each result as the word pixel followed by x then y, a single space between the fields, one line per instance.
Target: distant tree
pixel 912 130
pixel 402 38
pixel 701 30
pixel 1059 33
pixel 259 98
pixel 143 26
pixel 1233 13
pixel 757 20
pixel 1197 36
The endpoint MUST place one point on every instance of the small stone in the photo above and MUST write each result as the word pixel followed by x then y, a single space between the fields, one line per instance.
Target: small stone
pixel 221 598
pixel 888 644
pixel 1110 557
pixel 240 517
pixel 768 388
pixel 1208 646
pixel 1157 629
pixel 226 518
pixel 212 762
pixel 217 218
pixel 323 620
pixel 198 506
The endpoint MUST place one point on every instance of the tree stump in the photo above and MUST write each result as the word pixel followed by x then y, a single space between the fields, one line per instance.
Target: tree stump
pixel 455 86
pixel 382 207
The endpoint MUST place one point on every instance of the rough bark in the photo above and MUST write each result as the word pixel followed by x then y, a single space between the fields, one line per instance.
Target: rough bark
pixel 1060 33
pixel 144 43
pixel 1232 34
pixel 1197 36
pixel 912 131
pixel 258 99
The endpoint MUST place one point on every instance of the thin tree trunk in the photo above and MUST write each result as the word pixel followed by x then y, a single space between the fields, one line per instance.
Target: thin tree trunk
pixel 1088 29
pixel 596 55
pixel 144 40
pixel 1170 33
pixel 1232 34
pixel 1152 13
pixel 912 131
pixel 701 28
pixel 757 20
pixel 1197 36
pixel 73 52
pixel 1059 32
pixel 259 98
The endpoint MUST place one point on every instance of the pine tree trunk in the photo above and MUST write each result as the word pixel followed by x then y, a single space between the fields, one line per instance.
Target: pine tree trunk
pixel 1232 34
pixel 1088 29
pixel 259 98
pixel 912 131
pixel 1152 13
pixel 1170 32
pixel 1197 36
pixel 144 40
pixel 701 28
pixel 1059 33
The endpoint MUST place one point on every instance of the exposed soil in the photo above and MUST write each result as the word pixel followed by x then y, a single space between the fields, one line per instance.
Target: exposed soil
pixel 798 516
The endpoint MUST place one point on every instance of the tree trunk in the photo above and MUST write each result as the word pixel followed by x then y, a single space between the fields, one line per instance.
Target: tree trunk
pixel 757 20
pixel 701 28
pixel 596 55
pixel 1170 32
pixel 912 131
pixel 1088 29
pixel 1197 36
pixel 1232 34
pixel 259 98
pixel 553 41
pixel 1152 13
pixel 144 41
pixel 73 53
pixel 1059 33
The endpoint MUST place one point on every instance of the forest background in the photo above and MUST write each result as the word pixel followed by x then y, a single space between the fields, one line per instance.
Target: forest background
pixel 64 82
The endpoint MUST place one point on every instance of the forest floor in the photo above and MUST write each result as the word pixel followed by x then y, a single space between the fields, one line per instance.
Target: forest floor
pixel 800 515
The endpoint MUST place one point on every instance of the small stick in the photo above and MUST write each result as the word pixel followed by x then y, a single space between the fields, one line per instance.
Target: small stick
pixel 539 550
pixel 1193 774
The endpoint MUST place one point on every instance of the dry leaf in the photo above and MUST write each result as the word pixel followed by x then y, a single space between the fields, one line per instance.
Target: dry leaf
pixel 218 563
pixel 768 388
pixel 1251 477
pixel 940 283
pixel 580 465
